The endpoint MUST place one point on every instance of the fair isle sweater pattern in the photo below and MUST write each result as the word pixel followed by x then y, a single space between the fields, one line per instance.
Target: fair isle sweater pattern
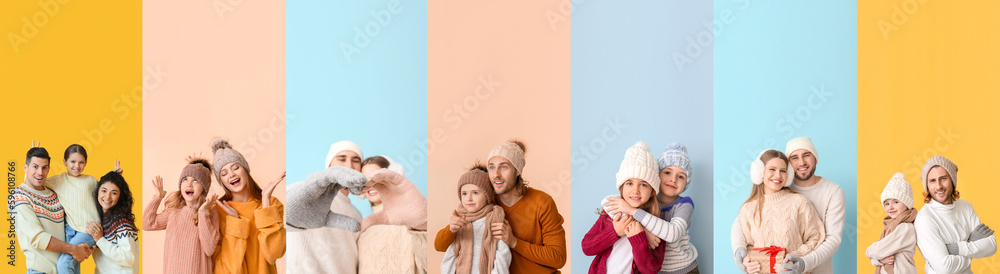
pixel 123 229
pixel 45 207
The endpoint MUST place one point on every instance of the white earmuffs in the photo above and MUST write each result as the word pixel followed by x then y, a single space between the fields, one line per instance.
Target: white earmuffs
pixel 757 170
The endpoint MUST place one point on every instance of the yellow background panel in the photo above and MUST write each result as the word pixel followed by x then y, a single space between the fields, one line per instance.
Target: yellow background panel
pixel 70 72
pixel 928 76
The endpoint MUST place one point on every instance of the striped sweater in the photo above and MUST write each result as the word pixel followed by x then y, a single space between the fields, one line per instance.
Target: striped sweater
pixel 680 255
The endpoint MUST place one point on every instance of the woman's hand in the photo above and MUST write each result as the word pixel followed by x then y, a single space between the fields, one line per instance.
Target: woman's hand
pixel 618 205
pixel 752 267
pixel 227 209
pixel 118 167
pixel 456 222
pixel 158 186
pixel 94 230
pixel 266 193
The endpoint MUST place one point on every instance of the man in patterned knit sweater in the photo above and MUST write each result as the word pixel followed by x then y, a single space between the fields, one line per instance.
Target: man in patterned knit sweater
pixel 39 217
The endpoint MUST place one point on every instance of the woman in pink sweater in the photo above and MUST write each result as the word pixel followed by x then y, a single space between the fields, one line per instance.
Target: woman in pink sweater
pixel 621 243
pixel 191 222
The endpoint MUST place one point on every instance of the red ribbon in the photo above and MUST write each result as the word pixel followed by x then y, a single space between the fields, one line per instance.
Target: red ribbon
pixel 773 252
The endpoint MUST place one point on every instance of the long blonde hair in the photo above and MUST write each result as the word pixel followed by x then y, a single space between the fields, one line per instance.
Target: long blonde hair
pixel 757 194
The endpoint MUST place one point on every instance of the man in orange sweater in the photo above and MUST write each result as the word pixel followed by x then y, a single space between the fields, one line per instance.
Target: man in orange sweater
pixel 535 234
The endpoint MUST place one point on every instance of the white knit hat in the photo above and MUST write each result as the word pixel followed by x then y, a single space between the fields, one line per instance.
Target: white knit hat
pixel 342 146
pixel 639 164
pixel 948 166
pixel 676 155
pixel 757 170
pixel 898 188
pixel 394 166
pixel 800 143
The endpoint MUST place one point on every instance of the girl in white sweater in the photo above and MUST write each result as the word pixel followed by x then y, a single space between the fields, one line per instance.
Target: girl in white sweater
pixel 949 232
pixel 893 252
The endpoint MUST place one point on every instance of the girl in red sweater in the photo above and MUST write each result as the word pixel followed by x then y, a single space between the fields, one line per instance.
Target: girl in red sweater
pixel 620 242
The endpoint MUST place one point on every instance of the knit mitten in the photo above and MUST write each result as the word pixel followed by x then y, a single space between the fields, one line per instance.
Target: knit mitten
pixel 402 203
pixel 797 266
pixel 309 201
pixel 739 255
pixel 981 231
pixel 952 248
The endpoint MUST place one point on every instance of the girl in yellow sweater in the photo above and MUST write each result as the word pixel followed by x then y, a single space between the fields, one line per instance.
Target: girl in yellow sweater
pixel 253 236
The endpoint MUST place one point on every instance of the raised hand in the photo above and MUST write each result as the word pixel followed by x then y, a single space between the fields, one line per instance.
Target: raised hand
pixel 158 186
pixel 266 194
pixel 118 167
pixel 207 205
pixel 228 209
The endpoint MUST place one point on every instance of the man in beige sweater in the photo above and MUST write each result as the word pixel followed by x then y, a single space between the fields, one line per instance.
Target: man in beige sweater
pixel 327 249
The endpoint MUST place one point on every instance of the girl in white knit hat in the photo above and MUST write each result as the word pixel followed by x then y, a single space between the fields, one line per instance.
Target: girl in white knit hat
pixel 776 222
pixel 674 221
pixel 893 252
pixel 620 243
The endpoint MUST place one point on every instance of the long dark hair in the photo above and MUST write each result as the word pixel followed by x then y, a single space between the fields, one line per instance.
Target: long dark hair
pixel 122 209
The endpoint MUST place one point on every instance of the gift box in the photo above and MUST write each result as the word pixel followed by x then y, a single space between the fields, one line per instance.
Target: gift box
pixel 768 257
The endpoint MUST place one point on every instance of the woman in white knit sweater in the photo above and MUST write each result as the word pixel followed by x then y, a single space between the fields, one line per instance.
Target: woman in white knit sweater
pixel 893 252
pixel 949 232
pixel 775 215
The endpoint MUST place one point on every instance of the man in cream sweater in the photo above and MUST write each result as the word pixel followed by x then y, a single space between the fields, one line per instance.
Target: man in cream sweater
pixel 949 233
pixel 328 249
pixel 828 199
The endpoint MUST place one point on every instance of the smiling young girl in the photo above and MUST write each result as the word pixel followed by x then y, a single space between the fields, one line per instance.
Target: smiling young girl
pixel 775 215
pixel 474 250
pixel 620 243
pixel 674 221
pixel 117 237
pixel 74 189
pixel 893 252
pixel 191 222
